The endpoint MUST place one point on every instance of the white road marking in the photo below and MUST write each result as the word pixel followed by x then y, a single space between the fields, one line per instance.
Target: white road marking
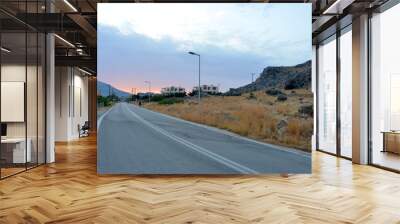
pixel 227 162
pixel 100 119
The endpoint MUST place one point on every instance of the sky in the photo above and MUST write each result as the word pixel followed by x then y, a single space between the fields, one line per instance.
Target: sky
pixel 151 41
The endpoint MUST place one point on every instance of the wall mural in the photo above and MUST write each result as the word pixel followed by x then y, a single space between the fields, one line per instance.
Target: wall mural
pixel 204 88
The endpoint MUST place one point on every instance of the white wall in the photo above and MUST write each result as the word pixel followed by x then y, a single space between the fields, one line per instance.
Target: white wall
pixel 12 73
pixel 80 109
pixel 71 102
pixel 62 82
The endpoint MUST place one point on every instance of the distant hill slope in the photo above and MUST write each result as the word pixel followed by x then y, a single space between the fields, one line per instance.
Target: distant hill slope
pixel 284 77
pixel 104 89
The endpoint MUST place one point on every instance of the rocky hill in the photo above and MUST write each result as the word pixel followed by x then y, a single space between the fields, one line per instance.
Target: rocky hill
pixel 104 89
pixel 282 77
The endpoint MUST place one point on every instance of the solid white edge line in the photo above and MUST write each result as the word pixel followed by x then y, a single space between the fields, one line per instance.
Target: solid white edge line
pixel 277 147
pixel 100 119
pixel 227 162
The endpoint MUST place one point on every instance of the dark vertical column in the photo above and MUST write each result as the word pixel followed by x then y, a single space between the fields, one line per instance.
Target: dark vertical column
pixel 338 74
pixel 317 97
pixel 26 87
pixel 37 89
pixel 369 62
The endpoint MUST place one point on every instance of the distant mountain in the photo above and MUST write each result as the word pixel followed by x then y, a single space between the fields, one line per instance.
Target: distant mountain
pixel 282 77
pixel 104 89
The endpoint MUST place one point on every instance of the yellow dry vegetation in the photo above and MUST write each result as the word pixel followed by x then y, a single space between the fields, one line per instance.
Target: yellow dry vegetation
pixel 257 117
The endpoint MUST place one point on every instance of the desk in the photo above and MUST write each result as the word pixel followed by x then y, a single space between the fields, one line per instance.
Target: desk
pixel 17 150
pixel 391 141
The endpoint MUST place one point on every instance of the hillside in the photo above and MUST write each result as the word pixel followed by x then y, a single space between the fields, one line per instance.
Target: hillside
pixel 282 77
pixel 104 89
pixel 260 116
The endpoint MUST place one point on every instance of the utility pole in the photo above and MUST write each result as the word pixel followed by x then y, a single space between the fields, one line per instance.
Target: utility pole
pixel 149 83
pixel 135 94
pixel 132 94
pixel 199 90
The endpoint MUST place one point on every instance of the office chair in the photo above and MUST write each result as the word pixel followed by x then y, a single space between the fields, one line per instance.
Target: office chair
pixel 84 130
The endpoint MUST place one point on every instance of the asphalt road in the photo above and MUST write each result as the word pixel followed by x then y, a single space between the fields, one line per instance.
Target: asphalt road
pixel 134 140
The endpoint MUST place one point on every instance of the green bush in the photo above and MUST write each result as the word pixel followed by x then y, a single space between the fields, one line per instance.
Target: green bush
pixel 168 101
pixel 104 100
pixel 281 97
pixel 251 96
pixel 157 98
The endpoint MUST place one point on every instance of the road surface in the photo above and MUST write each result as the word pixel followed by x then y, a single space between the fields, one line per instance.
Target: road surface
pixel 134 140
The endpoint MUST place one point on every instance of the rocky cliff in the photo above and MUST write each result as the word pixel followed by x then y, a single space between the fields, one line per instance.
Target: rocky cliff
pixel 282 77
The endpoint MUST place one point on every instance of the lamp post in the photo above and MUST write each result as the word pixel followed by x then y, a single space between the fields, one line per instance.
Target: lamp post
pixel 193 53
pixel 135 95
pixel 132 94
pixel 148 82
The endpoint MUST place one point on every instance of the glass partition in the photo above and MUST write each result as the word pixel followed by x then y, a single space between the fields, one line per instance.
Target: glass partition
pixel 385 89
pixel 14 153
pixel 346 93
pixel 22 88
pixel 327 96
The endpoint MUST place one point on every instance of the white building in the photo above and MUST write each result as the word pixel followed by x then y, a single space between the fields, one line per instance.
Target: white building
pixel 210 89
pixel 172 90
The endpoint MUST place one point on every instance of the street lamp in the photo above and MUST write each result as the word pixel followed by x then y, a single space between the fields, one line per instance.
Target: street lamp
pixel 133 94
pixel 149 82
pixel 193 53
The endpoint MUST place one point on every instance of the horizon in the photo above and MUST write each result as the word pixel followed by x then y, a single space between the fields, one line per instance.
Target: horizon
pixel 128 91
pixel 151 42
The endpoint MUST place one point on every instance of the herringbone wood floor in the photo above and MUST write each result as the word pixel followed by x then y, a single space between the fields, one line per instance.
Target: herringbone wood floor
pixel 70 191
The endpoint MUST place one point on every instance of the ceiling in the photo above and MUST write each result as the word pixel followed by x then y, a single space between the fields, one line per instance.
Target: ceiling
pixel 75 21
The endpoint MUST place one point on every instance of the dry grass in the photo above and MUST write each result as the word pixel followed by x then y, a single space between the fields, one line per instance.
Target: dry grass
pixel 255 118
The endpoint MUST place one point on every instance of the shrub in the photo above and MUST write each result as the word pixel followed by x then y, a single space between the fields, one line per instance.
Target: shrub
pixel 176 94
pixel 157 98
pixel 233 94
pixel 167 101
pixel 281 97
pixel 104 100
pixel 273 92
pixel 307 110
pixel 251 96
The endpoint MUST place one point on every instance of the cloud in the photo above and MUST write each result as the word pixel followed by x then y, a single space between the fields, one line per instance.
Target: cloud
pixel 247 28
pixel 127 61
